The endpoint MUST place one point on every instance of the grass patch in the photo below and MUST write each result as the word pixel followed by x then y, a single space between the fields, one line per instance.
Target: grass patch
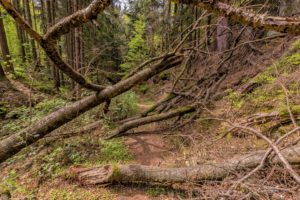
pixel 10 187
pixel 156 191
pixel 114 151
pixel 21 117
pixel 77 194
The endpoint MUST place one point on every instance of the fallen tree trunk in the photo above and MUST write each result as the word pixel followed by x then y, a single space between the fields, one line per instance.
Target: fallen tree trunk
pixel 169 176
pixel 281 24
pixel 150 119
pixel 14 143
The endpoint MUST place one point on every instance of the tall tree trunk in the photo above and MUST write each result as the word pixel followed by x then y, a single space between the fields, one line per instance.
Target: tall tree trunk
pixel 28 18
pixel 2 74
pixel 23 12
pixel 56 73
pixel 50 19
pixel 20 33
pixel 78 49
pixel 4 46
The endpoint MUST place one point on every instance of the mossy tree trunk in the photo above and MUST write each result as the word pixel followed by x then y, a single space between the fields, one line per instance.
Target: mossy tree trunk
pixel 169 176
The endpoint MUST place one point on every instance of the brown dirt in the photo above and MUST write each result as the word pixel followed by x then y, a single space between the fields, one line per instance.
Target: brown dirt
pixel 21 87
pixel 149 149
pixel 12 95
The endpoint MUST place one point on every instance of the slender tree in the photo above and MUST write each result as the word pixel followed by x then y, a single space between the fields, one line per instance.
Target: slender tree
pixel 2 74
pixel 28 17
pixel 4 46
pixel 20 32
pixel 50 20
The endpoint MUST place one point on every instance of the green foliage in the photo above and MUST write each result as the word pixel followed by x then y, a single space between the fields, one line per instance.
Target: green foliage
pixel 114 151
pixel 235 99
pixel 293 59
pixel 156 191
pixel 283 110
pixel 107 196
pixel 10 186
pixel 270 96
pixel 143 88
pixel 77 194
pixel 50 164
pixel 265 78
pixel 11 34
pixel 9 183
pixel 295 46
pixel 25 115
pixel 137 48
pixel 3 108
pixel 163 76
pixel 123 106
pixel 49 105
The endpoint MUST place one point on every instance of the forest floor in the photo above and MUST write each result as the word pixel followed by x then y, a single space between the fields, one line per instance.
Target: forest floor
pixel 150 148
pixel 41 171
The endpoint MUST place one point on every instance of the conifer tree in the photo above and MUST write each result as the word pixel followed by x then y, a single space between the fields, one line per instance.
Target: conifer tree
pixel 137 47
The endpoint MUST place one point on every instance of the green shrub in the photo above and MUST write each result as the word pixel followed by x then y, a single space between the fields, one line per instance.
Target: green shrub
pixel 73 194
pixel 156 191
pixel 114 151
pixel 123 106
pixel 3 109
pixel 294 59
pixel 25 115
pixel 163 76
pixel 235 99
pixel 143 88
pixel 10 185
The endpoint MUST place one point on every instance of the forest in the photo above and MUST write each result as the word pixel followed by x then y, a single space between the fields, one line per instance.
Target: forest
pixel 150 99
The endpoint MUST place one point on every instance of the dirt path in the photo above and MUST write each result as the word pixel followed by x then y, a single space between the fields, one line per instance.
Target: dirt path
pixel 21 87
pixel 148 149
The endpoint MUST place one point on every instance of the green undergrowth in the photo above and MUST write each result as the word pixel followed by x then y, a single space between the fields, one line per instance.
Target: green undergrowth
pixel 83 151
pixel 114 151
pixel 34 79
pixel 78 194
pixel 10 186
pixel 23 116
pixel 269 95
pixel 156 191
pixel 121 107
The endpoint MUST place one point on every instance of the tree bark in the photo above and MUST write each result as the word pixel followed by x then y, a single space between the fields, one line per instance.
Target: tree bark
pixel 28 18
pixel 281 24
pixel 170 176
pixel 20 33
pixel 50 20
pixel 48 42
pixel 78 50
pixel 2 74
pixel 14 143
pixel 222 34
pixel 4 46
pixel 150 119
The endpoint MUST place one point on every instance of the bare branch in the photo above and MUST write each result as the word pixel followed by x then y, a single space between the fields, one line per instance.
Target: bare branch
pixel 78 18
pixel 275 149
pixel 150 119
pixel 248 17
